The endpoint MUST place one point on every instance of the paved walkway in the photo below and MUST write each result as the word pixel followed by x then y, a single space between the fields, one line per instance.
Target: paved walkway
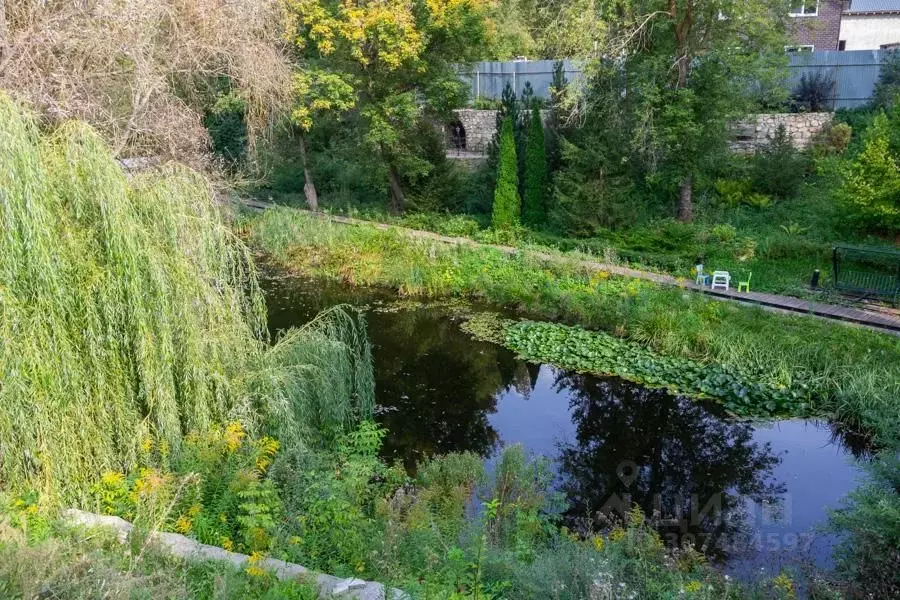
pixel 879 321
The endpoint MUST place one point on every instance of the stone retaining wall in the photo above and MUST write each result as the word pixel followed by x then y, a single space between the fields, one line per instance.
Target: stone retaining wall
pixel 184 547
pixel 478 130
pixel 756 131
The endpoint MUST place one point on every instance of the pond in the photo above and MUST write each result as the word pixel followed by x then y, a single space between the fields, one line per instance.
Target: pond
pixel 751 495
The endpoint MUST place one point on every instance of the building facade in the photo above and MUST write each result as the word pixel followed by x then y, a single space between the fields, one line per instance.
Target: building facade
pixel 816 25
pixel 870 25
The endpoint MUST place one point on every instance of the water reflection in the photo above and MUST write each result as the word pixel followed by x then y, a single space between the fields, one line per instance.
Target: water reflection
pixel 435 386
pixel 678 459
pixel 440 391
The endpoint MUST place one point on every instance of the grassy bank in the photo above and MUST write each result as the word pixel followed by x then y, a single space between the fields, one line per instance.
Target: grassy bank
pixel 853 374
pixel 62 562
pixel 781 245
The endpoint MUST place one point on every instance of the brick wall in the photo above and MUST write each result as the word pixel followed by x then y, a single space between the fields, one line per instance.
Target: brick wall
pixel 822 31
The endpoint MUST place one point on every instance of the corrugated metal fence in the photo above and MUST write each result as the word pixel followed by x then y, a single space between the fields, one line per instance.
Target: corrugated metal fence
pixel 855 73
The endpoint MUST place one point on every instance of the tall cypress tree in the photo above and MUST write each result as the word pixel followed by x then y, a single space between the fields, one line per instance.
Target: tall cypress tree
pixel 507 205
pixel 534 211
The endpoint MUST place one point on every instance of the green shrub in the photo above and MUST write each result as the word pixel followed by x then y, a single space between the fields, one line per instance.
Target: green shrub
pixel 759 201
pixel 534 206
pixel 724 232
pixel 888 86
pixel 871 188
pixel 833 140
pixel 814 93
pixel 226 122
pixel 731 192
pixel 445 224
pixel 507 205
pixel 778 169
pixel 869 554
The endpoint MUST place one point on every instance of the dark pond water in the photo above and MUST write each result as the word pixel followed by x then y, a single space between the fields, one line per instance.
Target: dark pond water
pixel 751 494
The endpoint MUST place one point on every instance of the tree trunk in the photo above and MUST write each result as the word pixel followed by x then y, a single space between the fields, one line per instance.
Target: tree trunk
pixel 309 188
pixel 398 198
pixel 686 200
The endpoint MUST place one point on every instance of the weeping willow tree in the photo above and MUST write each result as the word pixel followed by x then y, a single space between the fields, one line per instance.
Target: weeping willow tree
pixel 129 310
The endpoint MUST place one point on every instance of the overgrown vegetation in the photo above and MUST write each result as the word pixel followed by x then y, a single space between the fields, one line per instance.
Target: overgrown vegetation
pixel 870 555
pixel 131 312
pixel 136 374
pixel 144 73
pixel 62 562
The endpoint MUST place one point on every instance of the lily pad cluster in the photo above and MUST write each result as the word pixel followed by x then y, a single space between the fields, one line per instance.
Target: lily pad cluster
pixel 603 354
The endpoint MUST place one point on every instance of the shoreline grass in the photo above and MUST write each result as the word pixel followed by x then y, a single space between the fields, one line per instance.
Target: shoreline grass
pixel 854 373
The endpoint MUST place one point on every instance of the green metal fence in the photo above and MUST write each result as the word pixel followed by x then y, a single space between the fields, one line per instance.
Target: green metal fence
pixel 866 271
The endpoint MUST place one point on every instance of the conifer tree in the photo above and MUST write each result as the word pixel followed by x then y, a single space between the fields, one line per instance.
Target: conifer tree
pixel 507 205
pixel 536 175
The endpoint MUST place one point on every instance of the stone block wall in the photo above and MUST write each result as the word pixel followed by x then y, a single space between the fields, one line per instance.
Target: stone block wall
pixel 478 130
pixel 478 126
pixel 802 128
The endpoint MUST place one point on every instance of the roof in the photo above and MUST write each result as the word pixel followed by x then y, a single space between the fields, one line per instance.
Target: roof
pixel 873 6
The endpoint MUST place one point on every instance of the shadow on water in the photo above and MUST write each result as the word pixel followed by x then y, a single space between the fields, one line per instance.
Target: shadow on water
pixel 749 495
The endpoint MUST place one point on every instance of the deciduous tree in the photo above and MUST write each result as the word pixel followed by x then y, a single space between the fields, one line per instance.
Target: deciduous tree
pixel 399 57
pixel 144 72
pixel 692 66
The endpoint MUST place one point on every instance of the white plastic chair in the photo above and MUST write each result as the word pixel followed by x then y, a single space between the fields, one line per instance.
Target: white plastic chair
pixel 721 279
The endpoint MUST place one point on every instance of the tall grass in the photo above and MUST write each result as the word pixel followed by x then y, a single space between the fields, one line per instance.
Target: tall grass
pixel 853 372
pixel 129 310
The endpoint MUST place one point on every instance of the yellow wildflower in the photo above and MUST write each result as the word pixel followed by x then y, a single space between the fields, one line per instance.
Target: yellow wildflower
pixel 227 544
pixel 617 534
pixel 254 569
pixel 195 510
pixel 598 543
pixel 784 585
pixel 146 444
pixel 234 436
pixel 267 449
pixel 183 524
pixel 112 479
pixel 692 587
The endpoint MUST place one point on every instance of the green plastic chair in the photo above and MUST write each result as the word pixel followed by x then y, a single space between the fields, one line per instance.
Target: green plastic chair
pixel 744 286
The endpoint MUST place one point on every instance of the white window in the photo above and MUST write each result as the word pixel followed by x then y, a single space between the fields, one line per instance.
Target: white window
pixel 801 48
pixel 804 8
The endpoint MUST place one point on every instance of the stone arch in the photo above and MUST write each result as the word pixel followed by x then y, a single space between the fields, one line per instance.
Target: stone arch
pixel 455 132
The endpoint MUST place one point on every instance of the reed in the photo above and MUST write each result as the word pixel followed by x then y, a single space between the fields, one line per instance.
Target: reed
pixel 129 310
